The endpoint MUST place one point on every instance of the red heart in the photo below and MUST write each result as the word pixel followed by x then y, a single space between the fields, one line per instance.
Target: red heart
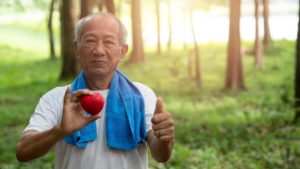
pixel 92 104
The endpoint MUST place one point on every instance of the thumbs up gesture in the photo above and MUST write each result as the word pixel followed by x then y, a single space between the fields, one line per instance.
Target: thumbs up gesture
pixel 163 123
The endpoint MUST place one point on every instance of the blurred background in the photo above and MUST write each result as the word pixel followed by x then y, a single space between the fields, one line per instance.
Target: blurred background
pixel 228 70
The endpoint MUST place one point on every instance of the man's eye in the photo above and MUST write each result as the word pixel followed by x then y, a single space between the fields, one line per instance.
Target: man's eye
pixel 90 41
pixel 109 42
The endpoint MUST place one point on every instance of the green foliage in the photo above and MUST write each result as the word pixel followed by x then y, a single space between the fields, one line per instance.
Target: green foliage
pixel 215 128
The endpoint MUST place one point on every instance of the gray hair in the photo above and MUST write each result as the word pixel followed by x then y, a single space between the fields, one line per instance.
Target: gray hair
pixel 80 24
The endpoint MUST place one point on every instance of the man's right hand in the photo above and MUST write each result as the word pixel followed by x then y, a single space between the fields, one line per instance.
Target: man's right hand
pixel 34 144
pixel 73 117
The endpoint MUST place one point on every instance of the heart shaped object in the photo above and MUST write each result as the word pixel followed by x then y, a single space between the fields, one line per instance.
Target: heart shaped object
pixel 92 104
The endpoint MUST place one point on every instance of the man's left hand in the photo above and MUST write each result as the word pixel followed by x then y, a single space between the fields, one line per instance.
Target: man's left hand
pixel 163 123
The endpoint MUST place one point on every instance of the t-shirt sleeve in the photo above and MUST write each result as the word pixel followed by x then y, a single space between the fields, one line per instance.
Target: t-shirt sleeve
pixel 46 113
pixel 150 103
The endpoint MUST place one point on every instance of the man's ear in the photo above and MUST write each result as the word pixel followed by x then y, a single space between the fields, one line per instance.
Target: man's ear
pixel 124 50
pixel 75 47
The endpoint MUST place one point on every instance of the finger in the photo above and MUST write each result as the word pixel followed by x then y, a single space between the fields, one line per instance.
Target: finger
pixel 158 118
pixel 92 118
pixel 159 106
pixel 163 116
pixel 167 138
pixel 163 125
pixel 164 132
pixel 67 94
pixel 79 93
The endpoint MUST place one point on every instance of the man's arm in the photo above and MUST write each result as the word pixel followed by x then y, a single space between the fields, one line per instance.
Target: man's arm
pixel 161 137
pixel 34 144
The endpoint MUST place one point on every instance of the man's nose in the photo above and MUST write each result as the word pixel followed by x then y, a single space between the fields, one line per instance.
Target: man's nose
pixel 99 49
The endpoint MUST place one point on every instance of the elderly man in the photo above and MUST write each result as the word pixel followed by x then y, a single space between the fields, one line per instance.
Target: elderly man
pixel 132 118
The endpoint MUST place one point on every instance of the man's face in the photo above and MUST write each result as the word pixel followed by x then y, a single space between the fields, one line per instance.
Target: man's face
pixel 99 49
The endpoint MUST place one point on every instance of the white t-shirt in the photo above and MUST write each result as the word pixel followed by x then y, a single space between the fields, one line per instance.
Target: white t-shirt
pixel 96 155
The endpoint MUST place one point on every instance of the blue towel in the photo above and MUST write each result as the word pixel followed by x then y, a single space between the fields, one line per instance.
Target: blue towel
pixel 125 116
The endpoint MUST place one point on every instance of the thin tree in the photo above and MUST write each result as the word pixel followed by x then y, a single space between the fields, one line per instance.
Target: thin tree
pixel 267 35
pixel 197 54
pixel 86 7
pixel 110 6
pixel 157 11
pixel 69 64
pixel 50 31
pixel 297 73
pixel 234 76
pixel 100 5
pixel 170 24
pixel 137 54
pixel 258 44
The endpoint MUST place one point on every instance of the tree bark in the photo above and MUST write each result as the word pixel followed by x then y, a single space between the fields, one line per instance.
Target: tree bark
pixel 267 35
pixel 137 54
pixel 86 7
pixel 258 44
pixel 297 73
pixel 69 63
pixel 157 9
pixel 110 6
pixel 234 76
pixel 197 55
pixel 100 5
pixel 50 31
pixel 189 64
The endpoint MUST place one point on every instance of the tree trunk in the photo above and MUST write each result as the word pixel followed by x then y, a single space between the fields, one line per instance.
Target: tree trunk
pixel 197 55
pixel 137 54
pixel 267 35
pixel 297 73
pixel 189 64
pixel 110 6
pixel 67 37
pixel 157 9
pixel 86 7
pixel 258 44
pixel 50 31
pixel 170 24
pixel 100 5
pixel 234 77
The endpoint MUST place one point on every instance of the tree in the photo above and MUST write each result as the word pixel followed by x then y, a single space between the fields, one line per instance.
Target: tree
pixel 86 7
pixel 50 30
pixel 69 64
pixel 267 35
pixel 157 9
pixel 198 78
pixel 234 76
pixel 258 44
pixel 137 54
pixel 170 24
pixel 297 73
pixel 100 4
pixel 110 6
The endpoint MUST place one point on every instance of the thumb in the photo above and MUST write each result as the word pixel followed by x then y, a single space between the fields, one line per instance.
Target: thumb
pixel 159 105
pixel 67 94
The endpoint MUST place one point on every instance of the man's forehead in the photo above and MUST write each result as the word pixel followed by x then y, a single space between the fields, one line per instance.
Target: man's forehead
pixel 100 21
pixel 100 18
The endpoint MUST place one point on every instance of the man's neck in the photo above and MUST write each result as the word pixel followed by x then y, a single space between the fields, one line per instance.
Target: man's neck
pixel 98 83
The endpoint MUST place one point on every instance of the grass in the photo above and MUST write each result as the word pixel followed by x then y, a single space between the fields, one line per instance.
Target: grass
pixel 215 128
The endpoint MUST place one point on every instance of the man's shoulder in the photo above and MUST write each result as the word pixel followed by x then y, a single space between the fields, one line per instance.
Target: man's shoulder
pixel 145 90
pixel 142 87
pixel 56 92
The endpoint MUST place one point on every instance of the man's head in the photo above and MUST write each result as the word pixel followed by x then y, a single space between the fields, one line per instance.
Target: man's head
pixel 79 26
pixel 100 44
